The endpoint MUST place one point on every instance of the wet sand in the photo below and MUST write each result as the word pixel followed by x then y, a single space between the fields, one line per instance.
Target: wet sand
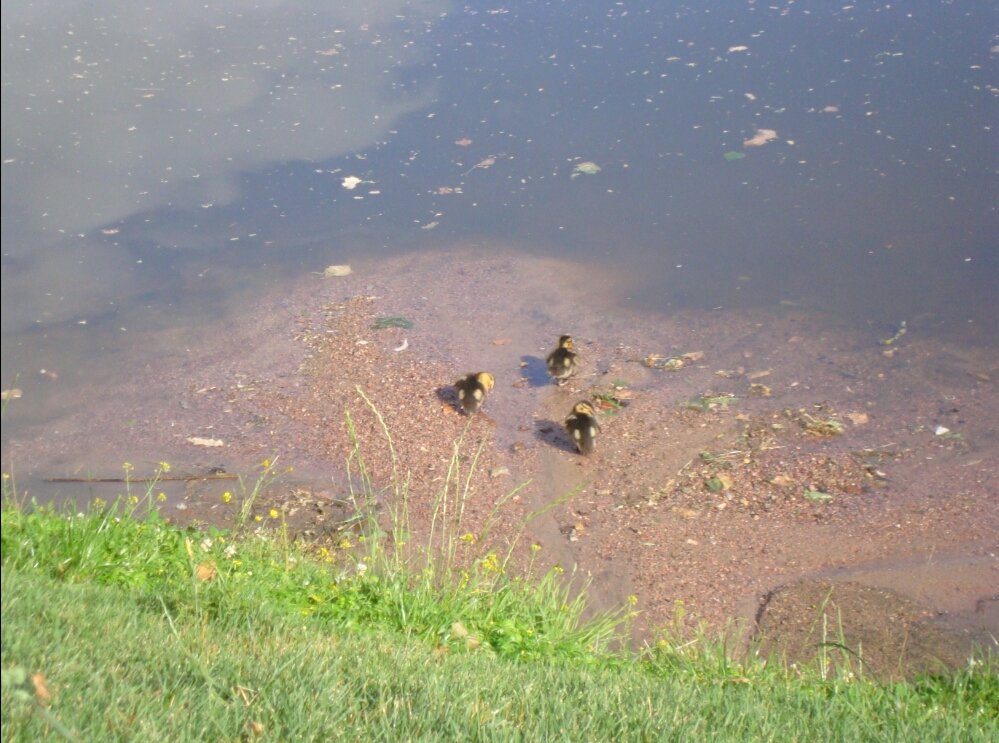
pixel 699 504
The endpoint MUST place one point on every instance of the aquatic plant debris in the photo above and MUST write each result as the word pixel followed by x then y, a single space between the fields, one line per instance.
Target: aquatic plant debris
pixel 814 425
pixel 733 155
pixel 709 401
pixel 392 322
pixel 609 404
pixel 351 182
pixel 332 271
pixel 817 496
pixel 585 168
pixel 902 330
pixel 672 363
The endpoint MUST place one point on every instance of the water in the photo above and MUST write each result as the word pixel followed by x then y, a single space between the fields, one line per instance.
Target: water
pixel 163 165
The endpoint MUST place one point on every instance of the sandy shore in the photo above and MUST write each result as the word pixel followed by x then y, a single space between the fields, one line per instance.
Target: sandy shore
pixel 718 503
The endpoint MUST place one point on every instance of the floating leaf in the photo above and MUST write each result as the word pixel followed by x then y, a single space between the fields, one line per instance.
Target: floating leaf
pixel 734 155
pixel 761 137
pixel 332 271
pixel 199 441
pixel 392 322
pixel 719 483
pixel 817 496
pixel 487 162
pixel 858 419
pixel 586 168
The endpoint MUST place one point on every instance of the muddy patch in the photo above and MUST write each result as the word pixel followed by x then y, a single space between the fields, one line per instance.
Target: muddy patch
pixel 871 631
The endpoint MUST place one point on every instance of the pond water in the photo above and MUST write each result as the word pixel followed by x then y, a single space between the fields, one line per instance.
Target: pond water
pixel 164 165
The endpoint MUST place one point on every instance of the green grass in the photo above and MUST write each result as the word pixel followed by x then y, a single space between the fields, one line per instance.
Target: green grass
pixel 133 646
pixel 117 625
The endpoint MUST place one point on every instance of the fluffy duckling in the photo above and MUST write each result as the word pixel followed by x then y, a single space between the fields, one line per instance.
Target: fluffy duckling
pixel 472 390
pixel 562 361
pixel 583 427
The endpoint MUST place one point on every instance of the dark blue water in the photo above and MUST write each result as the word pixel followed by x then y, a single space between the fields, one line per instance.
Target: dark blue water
pixel 161 164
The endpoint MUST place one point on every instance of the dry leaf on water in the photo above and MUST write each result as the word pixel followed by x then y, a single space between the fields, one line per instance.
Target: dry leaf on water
pixel 761 137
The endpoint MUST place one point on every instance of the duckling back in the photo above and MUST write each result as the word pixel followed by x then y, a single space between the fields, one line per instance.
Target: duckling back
pixel 472 390
pixel 583 427
pixel 562 361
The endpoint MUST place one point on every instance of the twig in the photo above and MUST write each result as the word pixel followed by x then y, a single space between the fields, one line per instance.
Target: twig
pixel 160 478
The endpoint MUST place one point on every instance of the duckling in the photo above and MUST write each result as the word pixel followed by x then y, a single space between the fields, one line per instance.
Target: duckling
pixel 562 361
pixel 582 426
pixel 472 390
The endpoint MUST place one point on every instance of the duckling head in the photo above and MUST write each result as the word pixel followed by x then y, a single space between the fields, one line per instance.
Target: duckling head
pixel 486 380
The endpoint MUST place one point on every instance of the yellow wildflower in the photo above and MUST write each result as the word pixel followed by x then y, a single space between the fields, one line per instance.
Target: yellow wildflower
pixel 161 496
pixel 274 513
pixel 226 496
pixel 490 563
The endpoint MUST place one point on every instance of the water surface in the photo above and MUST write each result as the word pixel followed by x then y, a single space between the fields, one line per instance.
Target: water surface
pixel 162 165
